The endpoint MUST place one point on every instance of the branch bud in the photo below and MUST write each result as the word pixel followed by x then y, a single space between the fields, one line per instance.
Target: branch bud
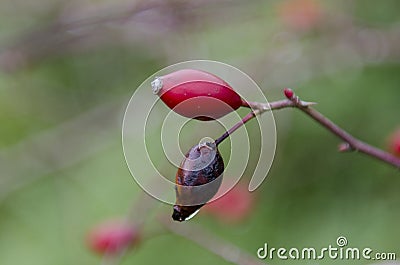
pixel 288 93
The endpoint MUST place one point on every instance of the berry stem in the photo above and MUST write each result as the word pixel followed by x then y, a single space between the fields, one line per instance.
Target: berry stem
pixel 248 117
pixel 258 108
pixel 294 101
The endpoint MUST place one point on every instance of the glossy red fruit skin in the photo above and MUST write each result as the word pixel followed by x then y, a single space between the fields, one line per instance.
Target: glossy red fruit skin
pixel 208 97
pixel 191 193
pixel 112 237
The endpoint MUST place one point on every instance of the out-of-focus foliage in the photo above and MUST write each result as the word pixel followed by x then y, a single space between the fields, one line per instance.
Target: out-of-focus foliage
pixel 68 70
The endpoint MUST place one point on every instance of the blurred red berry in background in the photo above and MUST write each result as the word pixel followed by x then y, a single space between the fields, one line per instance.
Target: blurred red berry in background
pixel 301 15
pixel 232 207
pixel 394 143
pixel 112 237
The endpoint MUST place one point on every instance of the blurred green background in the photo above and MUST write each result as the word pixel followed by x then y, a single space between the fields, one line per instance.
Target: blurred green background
pixel 68 69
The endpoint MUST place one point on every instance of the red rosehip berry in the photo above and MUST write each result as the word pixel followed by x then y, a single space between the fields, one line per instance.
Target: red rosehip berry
pixel 232 207
pixel 198 180
pixel 112 237
pixel 196 94
pixel 394 143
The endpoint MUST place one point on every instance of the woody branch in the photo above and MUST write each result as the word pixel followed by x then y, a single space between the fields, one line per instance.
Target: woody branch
pixel 351 143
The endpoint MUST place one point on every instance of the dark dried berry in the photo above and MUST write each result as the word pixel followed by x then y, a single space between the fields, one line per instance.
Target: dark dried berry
pixel 197 180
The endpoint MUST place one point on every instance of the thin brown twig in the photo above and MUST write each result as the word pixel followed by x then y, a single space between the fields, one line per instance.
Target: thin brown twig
pixel 248 117
pixel 352 143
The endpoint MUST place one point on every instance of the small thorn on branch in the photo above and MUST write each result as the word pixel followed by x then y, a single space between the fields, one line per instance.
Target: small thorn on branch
pixel 306 103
